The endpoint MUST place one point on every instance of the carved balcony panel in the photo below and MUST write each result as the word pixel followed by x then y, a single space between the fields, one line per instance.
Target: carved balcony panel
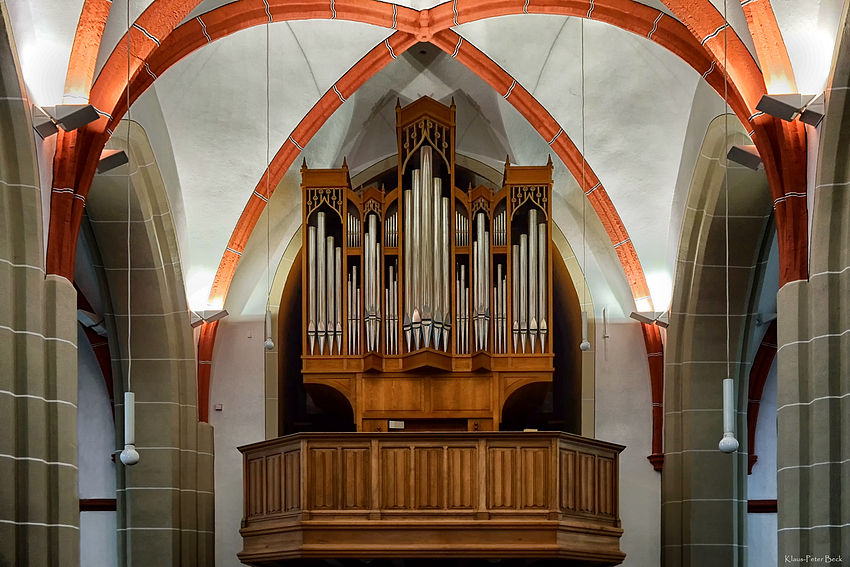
pixel 431 495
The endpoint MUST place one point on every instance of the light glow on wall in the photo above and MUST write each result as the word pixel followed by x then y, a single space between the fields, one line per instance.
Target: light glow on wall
pixel 811 56
pixel 198 286
pixel 43 65
pixel 660 288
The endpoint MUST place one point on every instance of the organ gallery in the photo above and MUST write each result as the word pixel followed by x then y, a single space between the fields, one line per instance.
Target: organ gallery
pixel 424 339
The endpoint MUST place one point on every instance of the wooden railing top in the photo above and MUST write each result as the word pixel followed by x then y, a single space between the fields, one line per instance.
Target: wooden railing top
pixel 452 436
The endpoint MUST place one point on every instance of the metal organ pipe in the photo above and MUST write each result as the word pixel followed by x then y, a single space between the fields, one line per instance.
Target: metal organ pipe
pixel 320 279
pixel 523 290
pixel 338 298
pixel 408 261
pixel 542 285
pixel 427 187
pixel 532 277
pixel 311 287
pixel 330 292
pixel 437 264
pixel 416 315
pixel 446 272
pixel 515 294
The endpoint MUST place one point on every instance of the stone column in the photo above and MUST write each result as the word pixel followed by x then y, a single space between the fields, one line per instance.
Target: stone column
pixel 166 502
pixel 704 506
pixel 813 453
pixel 39 508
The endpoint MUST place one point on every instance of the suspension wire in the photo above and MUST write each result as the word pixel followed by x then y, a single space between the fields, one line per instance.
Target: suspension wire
pixel 726 177
pixel 268 173
pixel 583 181
pixel 129 171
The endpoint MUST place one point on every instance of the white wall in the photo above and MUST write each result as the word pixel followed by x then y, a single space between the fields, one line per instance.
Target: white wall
pixel 237 383
pixel 762 546
pixel 95 446
pixel 624 416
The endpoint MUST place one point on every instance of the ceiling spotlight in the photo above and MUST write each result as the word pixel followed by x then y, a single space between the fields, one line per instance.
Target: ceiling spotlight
pixel 814 111
pixel 110 159
pixel 213 316
pixel 195 320
pixel 784 106
pixel 748 156
pixel 42 123
pixel 74 116
pixel 646 317
pixel 764 318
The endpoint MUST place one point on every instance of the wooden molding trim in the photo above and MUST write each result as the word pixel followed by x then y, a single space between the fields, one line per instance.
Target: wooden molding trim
pixel 761 506
pixel 98 505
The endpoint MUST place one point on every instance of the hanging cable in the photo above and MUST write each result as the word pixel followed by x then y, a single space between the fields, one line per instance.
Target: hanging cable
pixel 585 343
pixel 129 456
pixel 268 343
pixel 728 444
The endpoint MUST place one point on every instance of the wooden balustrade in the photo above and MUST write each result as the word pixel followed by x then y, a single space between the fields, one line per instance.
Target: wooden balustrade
pixel 379 495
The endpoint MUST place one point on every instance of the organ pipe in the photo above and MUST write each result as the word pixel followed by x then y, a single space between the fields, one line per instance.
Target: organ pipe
pixel 320 280
pixel 311 288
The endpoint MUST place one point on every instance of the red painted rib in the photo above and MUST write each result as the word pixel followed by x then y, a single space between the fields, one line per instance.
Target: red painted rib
pixel 758 377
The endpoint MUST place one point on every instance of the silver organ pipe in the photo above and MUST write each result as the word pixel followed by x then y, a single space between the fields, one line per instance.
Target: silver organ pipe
pixel 320 279
pixel 372 274
pixel 391 310
pixel 338 298
pixel 358 313
pixel 515 295
pixel 530 284
pixel 349 320
pixel 532 278
pixel 446 272
pixel 329 289
pixel 481 274
pixel 416 314
pixel 523 290
pixel 427 219
pixel 543 284
pixel 408 296
pixel 391 230
pixel 474 273
pixel 311 292
pixel 437 263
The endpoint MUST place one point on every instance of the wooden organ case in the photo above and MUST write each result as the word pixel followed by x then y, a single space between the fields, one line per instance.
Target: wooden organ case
pixel 426 303
pixel 427 307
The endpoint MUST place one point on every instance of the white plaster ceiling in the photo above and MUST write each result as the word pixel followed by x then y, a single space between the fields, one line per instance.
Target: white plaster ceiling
pixel 645 112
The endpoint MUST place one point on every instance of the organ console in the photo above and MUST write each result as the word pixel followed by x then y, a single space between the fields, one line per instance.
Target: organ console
pixel 452 283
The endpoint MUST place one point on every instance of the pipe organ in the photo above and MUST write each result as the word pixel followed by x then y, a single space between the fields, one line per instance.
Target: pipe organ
pixel 452 283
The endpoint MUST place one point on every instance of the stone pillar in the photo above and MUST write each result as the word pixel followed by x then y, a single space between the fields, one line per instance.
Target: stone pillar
pixel 39 507
pixel 703 491
pixel 166 501
pixel 813 453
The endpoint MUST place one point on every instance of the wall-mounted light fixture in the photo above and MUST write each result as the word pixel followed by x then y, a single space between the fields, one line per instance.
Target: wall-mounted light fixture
pixel 788 106
pixel 48 119
pixel 196 319
pixel 650 318
pixel 748 156
pixel 110 159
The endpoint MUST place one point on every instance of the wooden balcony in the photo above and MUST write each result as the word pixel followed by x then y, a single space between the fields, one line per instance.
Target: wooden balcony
pixel 431 495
